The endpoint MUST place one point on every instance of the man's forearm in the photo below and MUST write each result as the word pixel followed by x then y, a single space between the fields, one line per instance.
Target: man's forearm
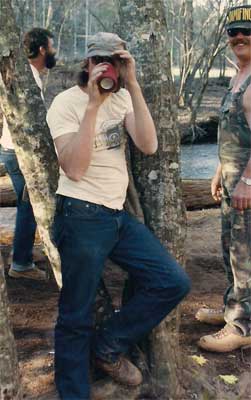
pixel 75 156
pixel 145 133
pixel 247 170
pixel 218 171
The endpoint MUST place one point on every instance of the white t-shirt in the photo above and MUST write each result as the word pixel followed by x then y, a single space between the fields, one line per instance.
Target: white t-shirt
pixel 6 140
pixel 106 179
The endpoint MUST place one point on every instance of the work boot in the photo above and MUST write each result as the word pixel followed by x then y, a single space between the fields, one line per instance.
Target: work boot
pixel 32 273
pixel 225 340
pixel 122 371
pixel 210 316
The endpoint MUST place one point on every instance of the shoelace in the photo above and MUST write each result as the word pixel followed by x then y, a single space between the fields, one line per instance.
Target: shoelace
pixel 213 311
pixel 115 366
pixel 218 335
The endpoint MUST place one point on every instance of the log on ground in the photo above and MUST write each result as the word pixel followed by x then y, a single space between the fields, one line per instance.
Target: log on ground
pixel 7 194
pixel 197 193
pixel 2 169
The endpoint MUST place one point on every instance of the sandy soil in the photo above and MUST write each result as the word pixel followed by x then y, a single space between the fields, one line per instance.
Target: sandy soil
pixel 34 307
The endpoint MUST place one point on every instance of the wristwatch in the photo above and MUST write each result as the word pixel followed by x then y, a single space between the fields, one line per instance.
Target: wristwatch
pixel 247 181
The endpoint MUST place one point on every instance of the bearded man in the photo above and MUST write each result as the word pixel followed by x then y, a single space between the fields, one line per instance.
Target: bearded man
pixel 38 46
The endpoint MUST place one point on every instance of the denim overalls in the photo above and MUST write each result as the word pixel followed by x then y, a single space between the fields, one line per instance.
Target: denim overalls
pixel 234 154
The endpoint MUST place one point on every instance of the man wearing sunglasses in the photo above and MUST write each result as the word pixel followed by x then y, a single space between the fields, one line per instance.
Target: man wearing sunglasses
pixel 232 185
pixel 87 125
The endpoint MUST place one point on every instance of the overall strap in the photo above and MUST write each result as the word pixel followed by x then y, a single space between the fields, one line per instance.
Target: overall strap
pixel 245 84
pixel 231 84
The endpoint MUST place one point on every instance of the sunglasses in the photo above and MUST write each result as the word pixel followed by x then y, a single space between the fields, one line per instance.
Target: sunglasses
pixel 101 59
pixel 232 32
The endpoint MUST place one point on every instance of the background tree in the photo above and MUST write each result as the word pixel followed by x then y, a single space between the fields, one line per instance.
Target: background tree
pixel 198 45
pixel 200 50
pixel 187 48
pixel 71 21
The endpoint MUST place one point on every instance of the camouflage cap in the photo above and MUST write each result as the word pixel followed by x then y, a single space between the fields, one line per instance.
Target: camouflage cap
pixel 239 17
pixel 104 44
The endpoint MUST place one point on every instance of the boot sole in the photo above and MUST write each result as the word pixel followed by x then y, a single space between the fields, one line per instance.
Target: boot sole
pixel 225 349
pixel 18 275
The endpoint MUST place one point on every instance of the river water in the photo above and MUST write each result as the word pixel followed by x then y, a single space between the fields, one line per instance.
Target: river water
pixel 198 161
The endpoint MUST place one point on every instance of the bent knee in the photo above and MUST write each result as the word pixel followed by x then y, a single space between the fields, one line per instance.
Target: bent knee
pixel 180 286
pixel 185 285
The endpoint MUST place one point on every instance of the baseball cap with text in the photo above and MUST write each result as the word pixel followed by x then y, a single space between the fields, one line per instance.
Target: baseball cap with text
pixel 104 44
pixel 239 17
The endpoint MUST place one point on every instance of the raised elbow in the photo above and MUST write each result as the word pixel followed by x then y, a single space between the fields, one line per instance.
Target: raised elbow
pixel 150 149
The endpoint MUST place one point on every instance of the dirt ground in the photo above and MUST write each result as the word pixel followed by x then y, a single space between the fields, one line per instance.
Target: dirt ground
pixel 33 308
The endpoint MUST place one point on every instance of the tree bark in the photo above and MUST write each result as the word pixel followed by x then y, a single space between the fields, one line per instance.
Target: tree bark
pixel 157 178
pixel 9 374
pixel 26 116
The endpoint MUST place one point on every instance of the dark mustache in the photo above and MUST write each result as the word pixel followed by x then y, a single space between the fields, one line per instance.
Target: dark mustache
pixel 235 42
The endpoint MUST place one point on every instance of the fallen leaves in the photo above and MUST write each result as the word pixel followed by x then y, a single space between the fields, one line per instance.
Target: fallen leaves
pixel 229 379
pixel 200 360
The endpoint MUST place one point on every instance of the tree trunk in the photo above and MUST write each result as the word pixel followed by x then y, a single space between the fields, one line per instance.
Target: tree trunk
pixel 9 374
pixel 26 117
pixel 157 178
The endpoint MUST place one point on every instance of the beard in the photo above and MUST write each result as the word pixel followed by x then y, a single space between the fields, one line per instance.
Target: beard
pixel 50 61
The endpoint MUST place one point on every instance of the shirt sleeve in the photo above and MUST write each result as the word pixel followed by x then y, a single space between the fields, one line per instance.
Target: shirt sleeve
pixel 128 102
pixel 61 118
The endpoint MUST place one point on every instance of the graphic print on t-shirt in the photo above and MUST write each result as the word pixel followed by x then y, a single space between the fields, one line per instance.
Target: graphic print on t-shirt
pixel 111 136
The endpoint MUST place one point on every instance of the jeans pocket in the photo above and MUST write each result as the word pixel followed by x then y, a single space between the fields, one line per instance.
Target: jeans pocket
pixel 80 209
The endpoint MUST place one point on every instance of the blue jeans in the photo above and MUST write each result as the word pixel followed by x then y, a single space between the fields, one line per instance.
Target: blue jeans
pixel 86 234
pixel 25 228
